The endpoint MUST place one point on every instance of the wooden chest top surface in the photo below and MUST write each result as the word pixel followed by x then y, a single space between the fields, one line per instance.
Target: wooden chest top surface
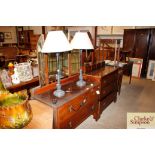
pixel 71 92
pixel 103 71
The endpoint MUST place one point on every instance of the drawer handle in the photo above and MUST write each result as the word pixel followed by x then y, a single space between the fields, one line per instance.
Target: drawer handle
pixel 93 107
pixel 70 124
pixel 103 92
pixel 97 92
pixel 83 102
pixel 71 108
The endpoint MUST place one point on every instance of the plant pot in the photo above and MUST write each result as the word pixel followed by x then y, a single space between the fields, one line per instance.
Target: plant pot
pixel 15 116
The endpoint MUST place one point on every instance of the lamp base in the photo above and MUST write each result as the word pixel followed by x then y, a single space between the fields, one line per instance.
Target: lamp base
pixel 59 93
pixel 80 83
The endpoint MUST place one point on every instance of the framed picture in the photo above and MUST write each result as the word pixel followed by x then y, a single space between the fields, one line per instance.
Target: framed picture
pixel 151 69
pixel 5 78
pixel 136 70
pixel 153 78
pixel 24 71
pixel 137 66
pixel 1 37
pixel 7 35
pixel 120 29
pixel 102 30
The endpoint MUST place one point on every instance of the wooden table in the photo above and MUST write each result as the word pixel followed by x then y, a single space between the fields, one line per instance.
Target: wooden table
pixel 24 85
pixel 127 70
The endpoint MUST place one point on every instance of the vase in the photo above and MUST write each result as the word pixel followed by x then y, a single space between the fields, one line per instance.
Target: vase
pixel 15 116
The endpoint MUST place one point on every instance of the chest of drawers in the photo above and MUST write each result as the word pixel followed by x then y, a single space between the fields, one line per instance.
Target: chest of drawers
pixel 108 79
pixel 77 104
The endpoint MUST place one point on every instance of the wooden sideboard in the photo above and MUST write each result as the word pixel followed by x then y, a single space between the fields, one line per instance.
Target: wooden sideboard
pixel 108 78
pixel 79 103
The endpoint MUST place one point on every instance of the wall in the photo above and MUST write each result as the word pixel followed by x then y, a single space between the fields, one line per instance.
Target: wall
pixel 91 29
pixel 144 27
pixel 36 29
pixel 11 29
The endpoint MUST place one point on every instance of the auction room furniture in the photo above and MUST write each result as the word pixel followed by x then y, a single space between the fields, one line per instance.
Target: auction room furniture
pixel 77 104
pixel 9 53
pixel 81 41
pixel 141 44
pixel 108 79
pixel 24 85
pixel 52 45
pixel 2 61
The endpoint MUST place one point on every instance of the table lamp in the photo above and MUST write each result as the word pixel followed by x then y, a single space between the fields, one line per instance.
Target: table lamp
pixel 81 41
pixel 56 42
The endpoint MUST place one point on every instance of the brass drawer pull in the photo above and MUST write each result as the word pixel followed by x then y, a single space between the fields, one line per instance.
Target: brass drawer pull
pixel 71 108
pixel 93 107
pixel 104 81
pixel 104 92
pixel 70 124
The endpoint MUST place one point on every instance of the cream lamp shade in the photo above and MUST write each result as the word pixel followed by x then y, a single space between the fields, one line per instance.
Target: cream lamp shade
pixel 81 40
pixel 56 42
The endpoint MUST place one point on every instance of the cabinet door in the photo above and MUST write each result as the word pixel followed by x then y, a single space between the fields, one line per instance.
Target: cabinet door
pixel 152 45
pixel 141 43
pixel 141 47
pixel 129 40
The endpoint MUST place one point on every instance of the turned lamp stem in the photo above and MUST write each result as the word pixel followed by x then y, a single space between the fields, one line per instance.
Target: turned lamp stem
pixel 81 82
pixel 58 92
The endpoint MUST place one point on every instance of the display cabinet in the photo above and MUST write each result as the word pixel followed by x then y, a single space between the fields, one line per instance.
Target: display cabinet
pixel 69 65
pixel 24 39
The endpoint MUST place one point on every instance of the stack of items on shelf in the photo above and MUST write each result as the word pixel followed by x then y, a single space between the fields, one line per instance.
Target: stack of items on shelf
pixel 17 73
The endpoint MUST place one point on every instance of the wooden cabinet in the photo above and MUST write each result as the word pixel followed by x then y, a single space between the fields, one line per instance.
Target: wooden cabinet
pixel 78 109
pixel 137 41
pixel 81 102
pixel 108 79
pixel 141 43
pixel 27 39
pixel 24 39
pixel 129 40
pixel 33 41
pixel 77 104
pixel 152 46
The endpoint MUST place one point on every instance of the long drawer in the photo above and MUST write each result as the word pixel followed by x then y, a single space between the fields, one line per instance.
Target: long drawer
pixel 107 100
pixel 109 79
pixel 80 116
pixel 108 89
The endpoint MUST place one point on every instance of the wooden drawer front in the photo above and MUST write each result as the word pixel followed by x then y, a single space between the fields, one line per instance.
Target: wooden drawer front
pixel 80 116
pixel 108 79
pixel 108 89
pixel 72 107
pixel 92 94
pixel 109 99
pixel 75 105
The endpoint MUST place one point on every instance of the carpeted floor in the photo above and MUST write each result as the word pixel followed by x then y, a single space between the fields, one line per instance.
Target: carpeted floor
pixel 139 96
